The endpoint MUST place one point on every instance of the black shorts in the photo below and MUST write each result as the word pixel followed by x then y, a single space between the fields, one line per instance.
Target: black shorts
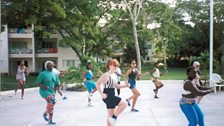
pixel 112 101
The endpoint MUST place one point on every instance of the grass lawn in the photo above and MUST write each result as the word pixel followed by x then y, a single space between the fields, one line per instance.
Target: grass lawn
pixel 9 82
pixel 172 74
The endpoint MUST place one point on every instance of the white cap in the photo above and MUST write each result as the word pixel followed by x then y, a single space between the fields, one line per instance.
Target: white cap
pixel 196 63
pixel 47 62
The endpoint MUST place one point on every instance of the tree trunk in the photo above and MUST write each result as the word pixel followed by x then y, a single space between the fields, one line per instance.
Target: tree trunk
pixel 165 63
pixel 135 34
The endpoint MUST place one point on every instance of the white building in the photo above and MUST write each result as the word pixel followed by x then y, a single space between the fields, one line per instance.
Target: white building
pixel 19 44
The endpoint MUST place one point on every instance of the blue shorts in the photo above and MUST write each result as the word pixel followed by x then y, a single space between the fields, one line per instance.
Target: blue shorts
pixel 90 85
pixel 132 84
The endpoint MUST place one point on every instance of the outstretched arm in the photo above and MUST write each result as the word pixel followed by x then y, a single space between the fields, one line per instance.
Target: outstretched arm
pixel 126 84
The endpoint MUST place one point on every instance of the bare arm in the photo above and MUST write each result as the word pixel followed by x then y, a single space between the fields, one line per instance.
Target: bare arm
pixel 126 84
pixel 194 90
pixel 102 80
pixel 138 73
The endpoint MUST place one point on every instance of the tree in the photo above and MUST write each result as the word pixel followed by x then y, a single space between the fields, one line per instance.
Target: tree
pixel 134 9
pixel 197 37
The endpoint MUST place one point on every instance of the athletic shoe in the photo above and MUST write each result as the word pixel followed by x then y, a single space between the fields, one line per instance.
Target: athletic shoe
pixel 90 105
pixel 112 121
pixel 64 98
pixel 129 104
pixel 51 122
pixel 134 110
pixel 45 117
pixel 156 96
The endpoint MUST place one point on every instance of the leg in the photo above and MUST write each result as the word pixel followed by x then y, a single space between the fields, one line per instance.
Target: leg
pixel 136 95
pixel 200 115
pixel 22 88
pixel 114 113
pixel 190 113
pixel 120 108
pixel 110 113
pixel 50 109
pixel 158 85
pixel 18 85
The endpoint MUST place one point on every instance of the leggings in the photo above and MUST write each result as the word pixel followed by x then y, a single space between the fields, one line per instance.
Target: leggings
pixel 193 113
pixel 50 105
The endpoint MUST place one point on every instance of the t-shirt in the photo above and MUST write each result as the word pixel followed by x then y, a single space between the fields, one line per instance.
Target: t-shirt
pixel 56 71
pixel 118 73
pixel 47 78
pixel 156 73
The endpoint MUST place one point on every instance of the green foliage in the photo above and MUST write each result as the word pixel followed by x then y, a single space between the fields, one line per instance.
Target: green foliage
pixel 74 74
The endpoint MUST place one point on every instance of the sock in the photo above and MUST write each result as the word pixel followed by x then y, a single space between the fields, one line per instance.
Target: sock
pixel 113 116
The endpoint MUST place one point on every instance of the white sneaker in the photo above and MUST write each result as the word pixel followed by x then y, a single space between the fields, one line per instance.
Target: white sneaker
pixel 112 121
pixel 90 105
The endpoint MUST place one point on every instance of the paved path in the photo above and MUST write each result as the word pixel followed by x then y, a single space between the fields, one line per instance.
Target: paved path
pixel 164 111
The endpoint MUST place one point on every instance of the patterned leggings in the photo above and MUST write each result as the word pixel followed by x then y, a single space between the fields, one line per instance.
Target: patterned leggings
pixel 50 105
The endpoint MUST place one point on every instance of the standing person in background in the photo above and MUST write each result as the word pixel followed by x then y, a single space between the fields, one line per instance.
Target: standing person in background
pixel 118 73
pixel 188 103
pixel 22 71
pixel 131 74
pixel 58 88
pixel 47 81
pixel 197 80
pixel 155 73
pixel 87 76
pixel 114 104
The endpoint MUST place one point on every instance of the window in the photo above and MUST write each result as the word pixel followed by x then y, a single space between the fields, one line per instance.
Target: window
pixel 19 45
pixel 48 44
pixel 68 63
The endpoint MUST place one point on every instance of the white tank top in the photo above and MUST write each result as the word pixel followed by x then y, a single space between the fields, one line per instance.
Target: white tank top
pixel 156 73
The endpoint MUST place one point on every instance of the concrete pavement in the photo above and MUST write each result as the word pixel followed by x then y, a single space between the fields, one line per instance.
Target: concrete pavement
pixel 164 111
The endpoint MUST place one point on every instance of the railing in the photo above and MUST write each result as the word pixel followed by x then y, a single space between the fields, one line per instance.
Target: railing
pixel 20 51
pixel 20 30
pixel 47 50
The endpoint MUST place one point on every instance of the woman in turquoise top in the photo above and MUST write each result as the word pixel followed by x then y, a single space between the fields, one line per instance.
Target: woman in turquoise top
pixel 47 81
pixel 89 84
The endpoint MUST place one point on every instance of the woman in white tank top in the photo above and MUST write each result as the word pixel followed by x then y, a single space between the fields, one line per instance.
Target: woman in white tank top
pixel 22 71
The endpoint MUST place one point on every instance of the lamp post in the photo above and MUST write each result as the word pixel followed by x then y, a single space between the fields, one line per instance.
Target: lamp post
pixel 211 43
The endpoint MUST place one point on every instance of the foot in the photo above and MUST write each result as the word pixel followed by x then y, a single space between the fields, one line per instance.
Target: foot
pixel 134 110
pixel 156 96
pixel 45 117
pixel 128 102
pixel 51 122
pixel 90 104
pixel 112 121
pixel 64 98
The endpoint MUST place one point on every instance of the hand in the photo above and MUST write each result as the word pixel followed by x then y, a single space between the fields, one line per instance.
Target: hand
pixel 127 84
pixel 212 89
pixel 44 87
pixel 104 96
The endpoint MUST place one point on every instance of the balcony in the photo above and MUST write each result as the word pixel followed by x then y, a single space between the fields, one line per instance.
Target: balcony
pixel 20 53
pixel 47 52
pixel 20 33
